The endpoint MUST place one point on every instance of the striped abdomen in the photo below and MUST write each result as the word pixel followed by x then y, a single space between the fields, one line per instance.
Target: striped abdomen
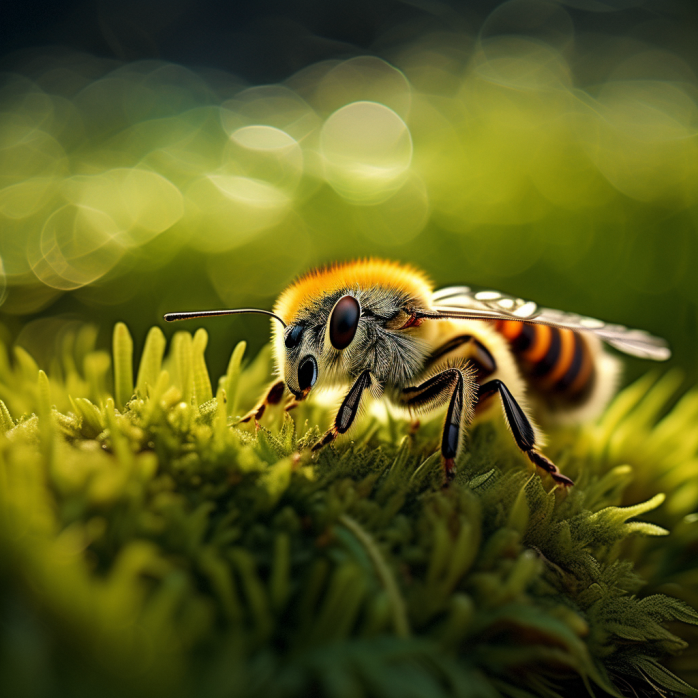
pixel 556 362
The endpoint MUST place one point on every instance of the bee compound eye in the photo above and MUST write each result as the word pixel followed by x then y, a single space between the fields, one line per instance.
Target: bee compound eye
pixel 307 373
pixel 293 336
pixel 344 321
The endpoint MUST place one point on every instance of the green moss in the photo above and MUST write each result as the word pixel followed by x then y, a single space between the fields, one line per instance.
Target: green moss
pixel 149 548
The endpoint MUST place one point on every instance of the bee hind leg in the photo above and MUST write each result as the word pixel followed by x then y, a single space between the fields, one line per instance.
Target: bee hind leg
pixel 457 387
pixel 522 430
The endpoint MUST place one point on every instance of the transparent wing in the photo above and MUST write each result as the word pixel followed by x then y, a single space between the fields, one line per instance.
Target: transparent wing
pixel 460 302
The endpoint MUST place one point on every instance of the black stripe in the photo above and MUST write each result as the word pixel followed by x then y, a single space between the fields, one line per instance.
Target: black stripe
pixel 547 363
pixel 483 360
pixel 575 366
pixel 525 338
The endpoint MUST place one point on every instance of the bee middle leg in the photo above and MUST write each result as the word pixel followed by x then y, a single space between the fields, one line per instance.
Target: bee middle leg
pixel 521 428
pixel 456 386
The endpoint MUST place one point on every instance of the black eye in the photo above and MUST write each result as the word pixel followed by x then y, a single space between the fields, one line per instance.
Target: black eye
pixel 344 321
pixel 293 337
pixel 307 373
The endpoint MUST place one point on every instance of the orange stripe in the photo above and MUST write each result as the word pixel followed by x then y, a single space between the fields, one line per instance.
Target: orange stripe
pixel 509 329
pixel 564 360
pixel 540 345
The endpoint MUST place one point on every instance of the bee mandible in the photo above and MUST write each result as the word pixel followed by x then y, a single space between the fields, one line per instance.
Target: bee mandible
pixel 378 328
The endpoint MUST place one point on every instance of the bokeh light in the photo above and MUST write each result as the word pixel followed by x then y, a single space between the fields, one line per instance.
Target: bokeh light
pixel 519 152
pixel 76 246
pixel 367 150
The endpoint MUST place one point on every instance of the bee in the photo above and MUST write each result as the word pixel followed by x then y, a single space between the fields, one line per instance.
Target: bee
pixel 378 328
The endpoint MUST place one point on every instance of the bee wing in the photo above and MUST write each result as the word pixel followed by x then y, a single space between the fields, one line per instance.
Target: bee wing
pixel 460 302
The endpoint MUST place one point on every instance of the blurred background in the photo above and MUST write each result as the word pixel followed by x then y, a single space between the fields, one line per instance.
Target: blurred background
pixel 161 156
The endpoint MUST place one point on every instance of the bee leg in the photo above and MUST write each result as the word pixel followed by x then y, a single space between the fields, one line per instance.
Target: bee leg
pixel 474 351
pixel 347 411
pixel 291 404
pixel 456 386
pixel 272 397
pixel 521 428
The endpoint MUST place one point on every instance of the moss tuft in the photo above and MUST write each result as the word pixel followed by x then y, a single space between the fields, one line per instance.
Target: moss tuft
pixel 148 547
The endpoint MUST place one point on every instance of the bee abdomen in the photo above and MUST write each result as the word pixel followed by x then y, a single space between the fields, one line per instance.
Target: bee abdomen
pixel 554 360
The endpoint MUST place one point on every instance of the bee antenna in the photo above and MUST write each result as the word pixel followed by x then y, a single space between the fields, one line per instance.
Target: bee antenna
pixel 172 317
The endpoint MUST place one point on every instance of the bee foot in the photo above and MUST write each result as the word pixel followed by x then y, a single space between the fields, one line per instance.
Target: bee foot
pixel 328 438
pixel 449 472
pixel 546 464
pixel 562 480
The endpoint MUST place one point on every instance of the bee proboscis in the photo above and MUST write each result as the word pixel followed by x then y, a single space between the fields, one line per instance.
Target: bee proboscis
pixel 378 327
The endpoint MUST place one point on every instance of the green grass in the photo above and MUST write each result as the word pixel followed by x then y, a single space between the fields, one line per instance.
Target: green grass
pixel 147 548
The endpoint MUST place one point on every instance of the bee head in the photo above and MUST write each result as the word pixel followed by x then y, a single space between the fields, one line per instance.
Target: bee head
pixel 313 340
pixel 338 322
pixel 307 342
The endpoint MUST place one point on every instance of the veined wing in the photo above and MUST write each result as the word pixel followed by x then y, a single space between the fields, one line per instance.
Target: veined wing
pixel 460 302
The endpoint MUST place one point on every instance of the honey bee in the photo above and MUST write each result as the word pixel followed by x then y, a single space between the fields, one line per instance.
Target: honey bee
pixel 378 328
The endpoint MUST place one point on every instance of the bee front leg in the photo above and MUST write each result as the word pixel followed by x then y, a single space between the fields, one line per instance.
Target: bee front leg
pixel 291 404
pixel 457 386
pixel 347 411
pixel 522 429
pixel 271 397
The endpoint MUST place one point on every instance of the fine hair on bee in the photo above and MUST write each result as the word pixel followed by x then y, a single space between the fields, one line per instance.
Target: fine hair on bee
pixel 378 328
